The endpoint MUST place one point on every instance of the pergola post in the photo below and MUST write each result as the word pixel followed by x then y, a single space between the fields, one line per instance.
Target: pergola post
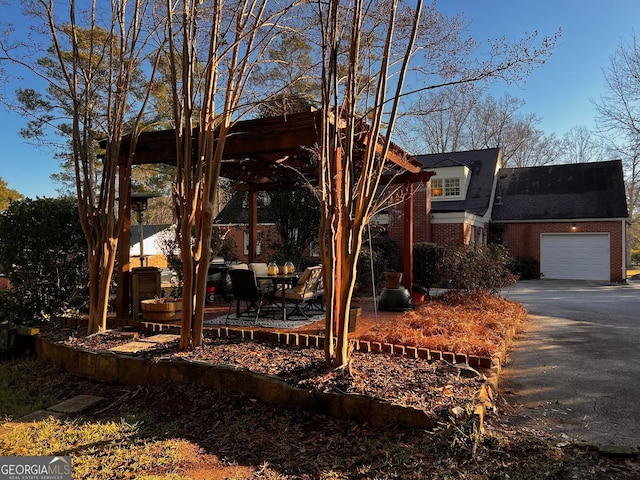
pixel 124 265
pixel 253 224
pixel 263 154
pixel 408 236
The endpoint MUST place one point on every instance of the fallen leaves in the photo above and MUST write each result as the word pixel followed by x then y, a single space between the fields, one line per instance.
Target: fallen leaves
pixel 476 325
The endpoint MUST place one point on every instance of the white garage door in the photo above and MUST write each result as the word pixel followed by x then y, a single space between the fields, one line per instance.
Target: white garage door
pixel 575 256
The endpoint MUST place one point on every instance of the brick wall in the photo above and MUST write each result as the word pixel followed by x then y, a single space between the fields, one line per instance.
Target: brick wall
pixel 523 240
pixel 448 233
pixel 421 218
pixel 267 234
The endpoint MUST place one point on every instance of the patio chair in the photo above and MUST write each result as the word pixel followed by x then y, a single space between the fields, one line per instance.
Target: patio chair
pixel 245 289
pixel 303 292
pixel 316 304
pixel 262 270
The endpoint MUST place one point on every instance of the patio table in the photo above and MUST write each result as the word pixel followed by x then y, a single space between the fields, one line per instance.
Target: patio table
pixel 283 279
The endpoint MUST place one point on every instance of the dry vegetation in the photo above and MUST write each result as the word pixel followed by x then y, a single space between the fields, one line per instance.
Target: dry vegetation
pixel 475 325
pixel 189 432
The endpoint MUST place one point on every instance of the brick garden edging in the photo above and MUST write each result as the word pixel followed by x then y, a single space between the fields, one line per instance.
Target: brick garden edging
pixel 127 370
pixel 308 340
pixel 489 367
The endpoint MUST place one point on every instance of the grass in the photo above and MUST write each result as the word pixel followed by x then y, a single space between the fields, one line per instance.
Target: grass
pixel 476 325
pixel 187 432
pixel 19 397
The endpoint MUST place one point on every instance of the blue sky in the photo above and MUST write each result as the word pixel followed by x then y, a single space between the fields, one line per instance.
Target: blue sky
pixel 560 93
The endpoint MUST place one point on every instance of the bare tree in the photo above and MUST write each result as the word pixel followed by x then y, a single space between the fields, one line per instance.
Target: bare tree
pixel 458 118
pixel 213 49
pixel 618 120
pixel 580 145
pixel 347 198
pixel 377 41
pixel 97 53
pixel 440 118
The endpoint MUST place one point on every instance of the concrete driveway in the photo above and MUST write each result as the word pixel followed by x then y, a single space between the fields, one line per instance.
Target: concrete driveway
pixel 574 369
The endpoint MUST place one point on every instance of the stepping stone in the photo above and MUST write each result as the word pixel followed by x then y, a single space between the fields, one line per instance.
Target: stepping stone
pixel 76 404
pixel 38 416
pixel 161 338
pixel 133 347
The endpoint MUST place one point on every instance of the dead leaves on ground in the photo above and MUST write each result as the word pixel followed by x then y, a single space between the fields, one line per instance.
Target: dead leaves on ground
pixel 476 325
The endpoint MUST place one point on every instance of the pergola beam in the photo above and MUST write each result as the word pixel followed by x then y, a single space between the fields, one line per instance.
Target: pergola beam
pixel 265 154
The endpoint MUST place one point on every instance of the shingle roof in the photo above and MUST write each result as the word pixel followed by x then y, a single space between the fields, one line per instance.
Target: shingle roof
pixel 235 213
pixel 571 191
pixel 481 163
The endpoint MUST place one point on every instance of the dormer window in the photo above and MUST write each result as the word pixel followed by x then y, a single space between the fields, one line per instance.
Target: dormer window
pixel 450 183
pixel 445 187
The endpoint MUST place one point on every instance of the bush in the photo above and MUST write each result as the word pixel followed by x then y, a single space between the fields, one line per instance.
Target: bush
pixel 385 254
pixel 477 269
pixel 473 269
pixel 525 268
pixel 425 264
pixel 44 254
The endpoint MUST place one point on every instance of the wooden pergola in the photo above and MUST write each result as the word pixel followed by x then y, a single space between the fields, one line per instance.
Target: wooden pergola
pixel 265 154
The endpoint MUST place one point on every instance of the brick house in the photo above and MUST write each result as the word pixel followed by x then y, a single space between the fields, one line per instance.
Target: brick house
pixel 571 220
pixel 455 207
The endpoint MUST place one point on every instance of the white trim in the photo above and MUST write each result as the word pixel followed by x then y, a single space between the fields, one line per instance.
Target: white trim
pixel 457 218
pixel 624 251
pixel 245 242
pixel 562 220
pixel 460 172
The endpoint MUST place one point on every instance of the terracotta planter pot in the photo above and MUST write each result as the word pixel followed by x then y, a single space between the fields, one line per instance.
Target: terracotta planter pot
pixel 417 297
pixel 392 279
pixel 154 310
pixel 354 316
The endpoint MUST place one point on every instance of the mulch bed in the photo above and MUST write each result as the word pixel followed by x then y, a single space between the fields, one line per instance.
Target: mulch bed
pixel 437 387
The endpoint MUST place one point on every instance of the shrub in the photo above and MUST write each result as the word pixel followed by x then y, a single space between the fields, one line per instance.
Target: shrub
pixel 44 254
pixel 477 269
pixel 425 264
pixel 525 268
pixel 385 254
pixel 461 267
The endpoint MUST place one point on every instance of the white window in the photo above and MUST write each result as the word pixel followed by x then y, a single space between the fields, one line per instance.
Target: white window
pixel 445 187
pixel 246 245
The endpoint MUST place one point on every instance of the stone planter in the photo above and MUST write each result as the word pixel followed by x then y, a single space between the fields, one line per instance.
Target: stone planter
pixel 161 310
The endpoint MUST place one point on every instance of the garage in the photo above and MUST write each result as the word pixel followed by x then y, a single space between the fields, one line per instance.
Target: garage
pixel 576 256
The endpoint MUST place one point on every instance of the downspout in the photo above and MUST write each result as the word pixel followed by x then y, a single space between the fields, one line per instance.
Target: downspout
pixel 624 251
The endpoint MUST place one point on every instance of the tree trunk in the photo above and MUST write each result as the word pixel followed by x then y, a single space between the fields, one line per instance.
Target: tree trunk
pixel 187 285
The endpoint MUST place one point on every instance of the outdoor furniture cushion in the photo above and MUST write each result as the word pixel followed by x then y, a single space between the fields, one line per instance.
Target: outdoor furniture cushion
pixel 239 266
pixel 261 270
pixel 306 286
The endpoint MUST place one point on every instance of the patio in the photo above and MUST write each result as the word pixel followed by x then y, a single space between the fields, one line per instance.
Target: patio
pixel 265 154
pixel 366 321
